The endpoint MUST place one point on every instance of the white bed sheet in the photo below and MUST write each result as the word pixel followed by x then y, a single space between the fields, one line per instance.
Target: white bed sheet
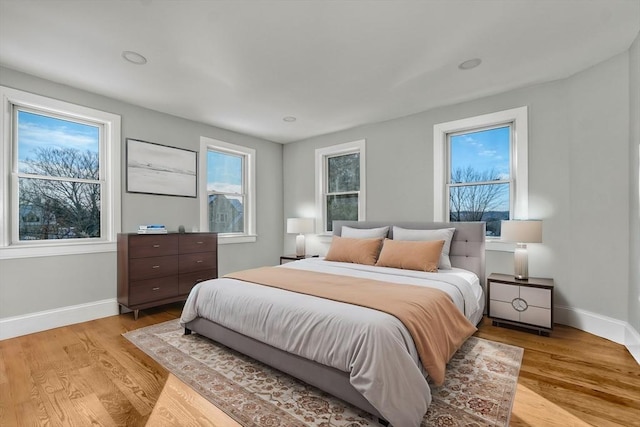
pixel 373 347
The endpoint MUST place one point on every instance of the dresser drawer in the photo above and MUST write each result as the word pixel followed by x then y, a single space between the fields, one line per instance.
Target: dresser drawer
pixel 536 316
pixel 142 246
pixel 189 280
pixel 197 261
pixel 503 310
pixel 198 242
pixel 502 292
pixel 536 296
pixel 144 291
pixel 148 268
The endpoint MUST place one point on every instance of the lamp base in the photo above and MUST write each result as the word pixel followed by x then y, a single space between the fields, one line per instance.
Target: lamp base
pixel 300 250
pixel 521 262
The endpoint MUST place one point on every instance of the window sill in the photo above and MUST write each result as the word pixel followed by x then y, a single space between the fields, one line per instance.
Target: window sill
pixel 228 240
pixel 59 249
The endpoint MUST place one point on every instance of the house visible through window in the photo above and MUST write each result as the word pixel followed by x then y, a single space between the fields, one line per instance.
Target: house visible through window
pixel 228 190
pixel 480 170
pixel 340 183
pixel 62 169
pixel 225 192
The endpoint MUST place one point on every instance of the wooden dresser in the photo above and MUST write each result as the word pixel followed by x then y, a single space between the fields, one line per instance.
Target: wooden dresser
pixel 156 269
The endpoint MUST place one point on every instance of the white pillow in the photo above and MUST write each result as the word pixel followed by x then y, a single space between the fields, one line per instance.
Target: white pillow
pixel 365 233
pixel 445 234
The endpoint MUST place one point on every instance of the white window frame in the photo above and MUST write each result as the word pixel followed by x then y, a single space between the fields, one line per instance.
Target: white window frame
pixel 110 161
pixel 519 189
pixel 249 170
pixel 322 154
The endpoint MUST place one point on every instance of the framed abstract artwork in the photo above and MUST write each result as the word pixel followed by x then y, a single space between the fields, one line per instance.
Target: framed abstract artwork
pixel 160 169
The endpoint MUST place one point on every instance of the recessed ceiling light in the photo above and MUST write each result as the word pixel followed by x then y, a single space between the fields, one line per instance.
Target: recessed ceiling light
pixel 289 119
pixel 134 57
pixel 469 64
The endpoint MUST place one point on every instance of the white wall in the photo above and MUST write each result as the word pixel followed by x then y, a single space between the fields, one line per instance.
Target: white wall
pixel 34 285
pixel 578 182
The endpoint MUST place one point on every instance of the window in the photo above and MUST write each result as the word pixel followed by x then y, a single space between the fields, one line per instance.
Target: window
pixel 60 177
pixel 340 184
pixel 227 190
pixel 480 170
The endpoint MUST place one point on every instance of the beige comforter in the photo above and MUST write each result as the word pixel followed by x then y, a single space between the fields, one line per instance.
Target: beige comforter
pixel 437 327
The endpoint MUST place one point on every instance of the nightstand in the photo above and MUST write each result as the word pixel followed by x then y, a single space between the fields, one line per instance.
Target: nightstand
pixel 289 258
pixel 524 303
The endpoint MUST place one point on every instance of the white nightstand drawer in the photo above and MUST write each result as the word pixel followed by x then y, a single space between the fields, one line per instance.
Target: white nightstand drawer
pixel 536 296
pixel 536 316
pixel 506 293
pixel 504 310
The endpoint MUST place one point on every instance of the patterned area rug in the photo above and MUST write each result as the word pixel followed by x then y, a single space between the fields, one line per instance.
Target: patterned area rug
pixel 479 388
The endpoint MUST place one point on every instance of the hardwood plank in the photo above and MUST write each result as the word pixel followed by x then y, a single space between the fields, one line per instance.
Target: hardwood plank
pixel 114 402
pixel 530 409
pixel 180 405
pixel 92 412
pixel 8 415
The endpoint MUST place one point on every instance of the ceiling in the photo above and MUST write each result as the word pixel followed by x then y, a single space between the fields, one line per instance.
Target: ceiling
pixel 333 65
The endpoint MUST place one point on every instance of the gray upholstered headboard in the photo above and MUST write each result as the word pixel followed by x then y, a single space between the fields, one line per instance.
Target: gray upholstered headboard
pixel 467 246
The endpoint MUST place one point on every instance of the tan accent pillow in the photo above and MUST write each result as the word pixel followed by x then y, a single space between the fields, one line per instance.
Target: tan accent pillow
pixel 357 251
pixel 408 255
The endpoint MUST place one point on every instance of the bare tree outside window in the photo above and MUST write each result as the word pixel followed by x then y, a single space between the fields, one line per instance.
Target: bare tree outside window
pixel 478 202
pixel 479 180
pixel 59 208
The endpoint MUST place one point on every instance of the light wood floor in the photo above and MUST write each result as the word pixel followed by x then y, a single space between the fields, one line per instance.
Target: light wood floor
pixel 88 374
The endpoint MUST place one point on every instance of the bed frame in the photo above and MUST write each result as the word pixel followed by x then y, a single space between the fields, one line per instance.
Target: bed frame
pixel 467 251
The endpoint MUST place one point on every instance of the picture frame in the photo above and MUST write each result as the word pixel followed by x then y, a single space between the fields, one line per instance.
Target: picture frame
pixel 160 169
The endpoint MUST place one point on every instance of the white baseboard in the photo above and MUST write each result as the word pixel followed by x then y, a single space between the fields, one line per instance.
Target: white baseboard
pixel 632 342
pixel 11 327
pixel 603 326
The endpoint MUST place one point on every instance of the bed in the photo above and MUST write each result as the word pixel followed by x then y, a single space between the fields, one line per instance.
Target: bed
pixel 272 326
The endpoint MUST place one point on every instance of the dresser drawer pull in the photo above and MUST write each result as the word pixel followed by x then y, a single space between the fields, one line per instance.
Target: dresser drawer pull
pixel 155 289
pixel 156 246
pixel 199 261
pixel 156 266
pixel 199 243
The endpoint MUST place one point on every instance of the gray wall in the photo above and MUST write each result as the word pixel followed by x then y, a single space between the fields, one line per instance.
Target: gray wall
pixel 578 179
pixel 634 187
pixel 35 284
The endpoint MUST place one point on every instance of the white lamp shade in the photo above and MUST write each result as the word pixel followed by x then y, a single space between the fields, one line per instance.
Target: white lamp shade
pixel 300 225
pixel 521 231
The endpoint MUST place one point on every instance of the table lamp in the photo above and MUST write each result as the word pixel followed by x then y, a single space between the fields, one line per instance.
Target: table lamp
pixel 300 226
pixel 521 232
